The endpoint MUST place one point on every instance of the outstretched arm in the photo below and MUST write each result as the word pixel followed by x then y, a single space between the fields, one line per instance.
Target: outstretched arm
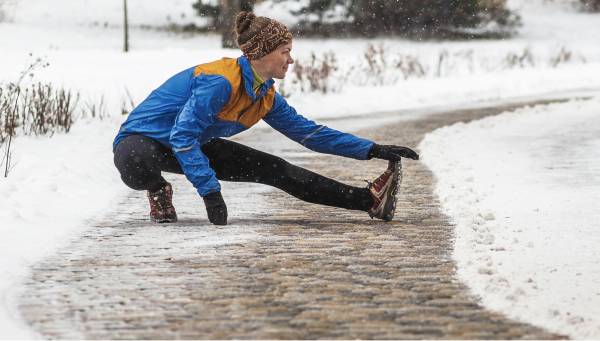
pixel 317 137
pixel 323 139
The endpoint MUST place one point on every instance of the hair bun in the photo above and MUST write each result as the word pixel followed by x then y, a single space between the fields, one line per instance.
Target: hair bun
pixel 243 21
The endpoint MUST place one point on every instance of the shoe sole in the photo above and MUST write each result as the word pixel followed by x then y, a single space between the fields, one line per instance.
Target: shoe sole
pixel 390 205
pixel 163 221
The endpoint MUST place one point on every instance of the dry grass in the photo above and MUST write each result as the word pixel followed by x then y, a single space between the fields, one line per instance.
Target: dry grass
pixel 39 109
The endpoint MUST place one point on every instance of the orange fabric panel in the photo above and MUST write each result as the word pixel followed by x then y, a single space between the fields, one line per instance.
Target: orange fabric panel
pixel 226 67
pixel 258 110
pixel 240 107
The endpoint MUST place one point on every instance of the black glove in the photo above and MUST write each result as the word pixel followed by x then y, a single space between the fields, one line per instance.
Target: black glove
pixel 216 208
pixel 391 152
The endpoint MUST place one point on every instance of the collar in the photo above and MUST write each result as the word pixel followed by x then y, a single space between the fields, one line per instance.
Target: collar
pixel 257 79
pixel 248 77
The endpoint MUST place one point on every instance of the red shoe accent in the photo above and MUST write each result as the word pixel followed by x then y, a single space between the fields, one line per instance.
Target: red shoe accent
pixel 161 205
pixel 383 190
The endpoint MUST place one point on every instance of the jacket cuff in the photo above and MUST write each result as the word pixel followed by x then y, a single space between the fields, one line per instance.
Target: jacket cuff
pixel 372 151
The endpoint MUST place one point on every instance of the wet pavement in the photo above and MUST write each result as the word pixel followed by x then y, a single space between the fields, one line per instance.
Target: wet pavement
pixel 282 269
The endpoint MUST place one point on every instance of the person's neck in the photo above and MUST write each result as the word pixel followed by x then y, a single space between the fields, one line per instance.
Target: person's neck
pixel 264 75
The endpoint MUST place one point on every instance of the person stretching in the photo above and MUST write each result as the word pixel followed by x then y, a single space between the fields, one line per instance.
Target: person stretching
pixel 180 128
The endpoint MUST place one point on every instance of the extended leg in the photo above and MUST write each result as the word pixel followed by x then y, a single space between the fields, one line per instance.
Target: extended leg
pixel 235 162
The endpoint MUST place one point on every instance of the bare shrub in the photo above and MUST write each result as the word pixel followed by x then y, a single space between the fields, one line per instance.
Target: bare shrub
pixel 385 68
pixel 6 163
pixel 377 66
pixel 92 109
pixel 9 107
pixel 563 56
pixel 410 66
pixel 9 119
pixel 377 62
pixel 442 58
pixel 520 60
pixel 315 76
pixel 448 63
pixel 40 109
pixel 127 103
pixel 47 109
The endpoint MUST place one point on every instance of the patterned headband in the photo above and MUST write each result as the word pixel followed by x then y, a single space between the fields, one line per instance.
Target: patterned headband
pixel 271 36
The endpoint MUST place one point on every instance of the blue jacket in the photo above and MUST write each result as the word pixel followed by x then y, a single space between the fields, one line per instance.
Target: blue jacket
pixel 217 100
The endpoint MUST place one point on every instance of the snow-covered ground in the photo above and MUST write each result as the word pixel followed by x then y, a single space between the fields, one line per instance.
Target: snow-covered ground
pixel 57 183
pixel 523 189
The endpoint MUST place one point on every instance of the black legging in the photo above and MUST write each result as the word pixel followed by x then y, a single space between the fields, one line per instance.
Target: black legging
pixel 141 159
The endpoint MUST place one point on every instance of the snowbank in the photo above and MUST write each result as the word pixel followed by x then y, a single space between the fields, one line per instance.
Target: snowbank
pixel 523 189
pixel 55 185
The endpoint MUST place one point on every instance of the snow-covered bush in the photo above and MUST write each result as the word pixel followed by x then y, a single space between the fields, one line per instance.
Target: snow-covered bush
pixel 207 9
pixel 591 5
pixel 378 66
pixel 220 14
pixel 419 19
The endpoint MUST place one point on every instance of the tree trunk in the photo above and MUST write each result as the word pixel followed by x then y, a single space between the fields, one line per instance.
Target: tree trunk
pixel 125 27
pixel 226 21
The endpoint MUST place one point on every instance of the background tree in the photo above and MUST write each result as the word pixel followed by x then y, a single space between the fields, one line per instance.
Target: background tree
pixel 423 18
pixel 222 15
pixel 125 27
pixel 591 5
pixel 413 18
pixel 426 17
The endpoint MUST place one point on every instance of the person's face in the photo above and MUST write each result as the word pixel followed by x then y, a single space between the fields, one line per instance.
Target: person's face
pixel 276 63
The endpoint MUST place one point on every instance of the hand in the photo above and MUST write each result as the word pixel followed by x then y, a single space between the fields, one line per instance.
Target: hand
pixel 216 208
pixel 391 152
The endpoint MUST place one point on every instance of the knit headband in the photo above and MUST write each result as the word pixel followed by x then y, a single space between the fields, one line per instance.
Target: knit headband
pixel 260 41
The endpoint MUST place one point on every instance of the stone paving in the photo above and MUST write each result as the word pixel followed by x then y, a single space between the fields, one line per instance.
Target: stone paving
pixel 283 269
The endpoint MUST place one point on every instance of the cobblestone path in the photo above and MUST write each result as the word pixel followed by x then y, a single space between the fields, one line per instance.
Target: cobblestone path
pixel 282 269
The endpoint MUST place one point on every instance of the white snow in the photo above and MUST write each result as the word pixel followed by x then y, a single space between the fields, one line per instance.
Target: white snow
pixel 59 182
pixel 67 13
pixel 54 187
pixel 523 189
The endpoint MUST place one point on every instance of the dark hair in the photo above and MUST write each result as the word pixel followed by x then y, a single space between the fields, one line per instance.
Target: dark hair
pixel 247 24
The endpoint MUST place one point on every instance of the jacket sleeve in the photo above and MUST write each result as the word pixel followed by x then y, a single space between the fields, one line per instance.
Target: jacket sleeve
pixel 209 94
pixel 319 138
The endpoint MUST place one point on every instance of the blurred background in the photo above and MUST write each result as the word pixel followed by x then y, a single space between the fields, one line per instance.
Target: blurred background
pixel 120 50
